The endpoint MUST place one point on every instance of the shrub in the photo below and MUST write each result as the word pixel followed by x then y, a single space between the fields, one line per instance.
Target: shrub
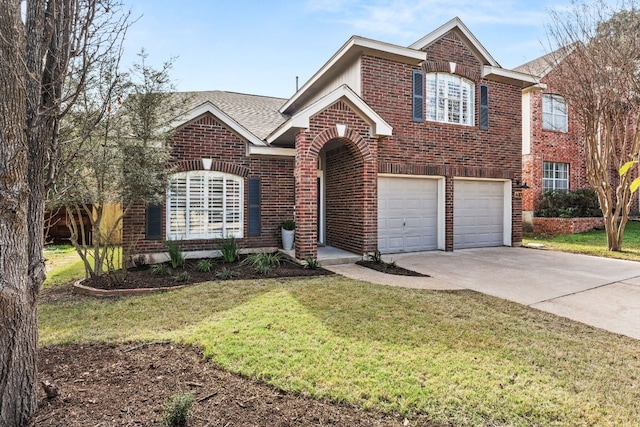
pixel 572 204
pixel 230 250
pixel 311 263
pixel 160 269
pixel 262 262
pixel 289 224
pixel 225 274
pixel 375 257
pixel 176 411
pixel 175 253
pixel 182 277
pixel 204 265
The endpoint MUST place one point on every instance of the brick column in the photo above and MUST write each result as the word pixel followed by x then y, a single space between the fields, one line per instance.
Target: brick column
pixel 305 174
pixel 448 214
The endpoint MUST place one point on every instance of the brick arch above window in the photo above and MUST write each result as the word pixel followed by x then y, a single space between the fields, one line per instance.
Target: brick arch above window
pixel 216 166
pixel 445 67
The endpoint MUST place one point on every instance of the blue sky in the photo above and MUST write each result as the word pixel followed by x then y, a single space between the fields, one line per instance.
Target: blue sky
pixel 260 46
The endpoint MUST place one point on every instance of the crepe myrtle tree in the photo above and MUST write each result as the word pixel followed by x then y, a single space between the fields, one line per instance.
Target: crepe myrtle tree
pixel 596 54
pixel 121 161
pixel 47 48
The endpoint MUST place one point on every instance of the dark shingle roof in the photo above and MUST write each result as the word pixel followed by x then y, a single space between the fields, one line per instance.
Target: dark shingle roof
pixel 541 66
pixel 257 114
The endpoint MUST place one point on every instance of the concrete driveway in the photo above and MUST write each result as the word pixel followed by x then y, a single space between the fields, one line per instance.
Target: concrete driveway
pixel 601 292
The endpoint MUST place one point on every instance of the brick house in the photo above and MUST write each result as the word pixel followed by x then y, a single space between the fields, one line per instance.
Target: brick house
pixel 386 147
pixel 553 156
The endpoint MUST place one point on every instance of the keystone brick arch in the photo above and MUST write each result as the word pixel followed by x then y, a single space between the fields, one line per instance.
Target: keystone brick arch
pixel 348 137
pixel 216 165
pixel 351 198
pixel 445 67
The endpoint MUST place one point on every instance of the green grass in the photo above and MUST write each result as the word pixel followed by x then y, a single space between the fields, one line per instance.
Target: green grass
pixel 63 265
pixel 592 242
pixel 460 357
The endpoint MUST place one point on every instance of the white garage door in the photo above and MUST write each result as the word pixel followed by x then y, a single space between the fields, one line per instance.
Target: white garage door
pixel 478 214
pixel 407 214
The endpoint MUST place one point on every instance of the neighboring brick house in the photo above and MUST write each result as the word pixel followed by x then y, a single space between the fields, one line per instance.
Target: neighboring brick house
pixel 385 147
pixel 552 149
pixel 553 156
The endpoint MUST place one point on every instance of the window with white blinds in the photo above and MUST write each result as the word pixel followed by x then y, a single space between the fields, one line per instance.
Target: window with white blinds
pixel 450 99
pixel 204 205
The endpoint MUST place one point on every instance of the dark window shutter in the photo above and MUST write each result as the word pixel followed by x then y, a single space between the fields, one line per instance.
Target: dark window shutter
pixel 484 107
pixel 418 96
pixel 154 222
pixel 254 207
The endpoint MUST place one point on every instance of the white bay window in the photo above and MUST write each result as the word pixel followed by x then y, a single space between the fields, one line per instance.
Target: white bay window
pixel 204 205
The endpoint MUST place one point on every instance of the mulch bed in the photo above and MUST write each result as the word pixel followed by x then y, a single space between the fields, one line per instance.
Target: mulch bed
pixel 129 385
pixel 390 268
pixel 144 277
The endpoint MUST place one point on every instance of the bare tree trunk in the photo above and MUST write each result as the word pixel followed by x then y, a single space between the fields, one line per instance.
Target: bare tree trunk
pixel 18 298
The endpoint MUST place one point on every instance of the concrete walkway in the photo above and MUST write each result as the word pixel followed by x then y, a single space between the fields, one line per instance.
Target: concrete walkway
pixel 601 292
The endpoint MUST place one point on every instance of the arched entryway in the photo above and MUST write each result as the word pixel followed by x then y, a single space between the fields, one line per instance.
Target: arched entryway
pixel 336 192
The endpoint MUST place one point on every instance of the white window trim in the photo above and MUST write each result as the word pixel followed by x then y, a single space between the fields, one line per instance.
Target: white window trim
pixel 554 101
pixel 555 180
pixel 187 235
pixel 470 100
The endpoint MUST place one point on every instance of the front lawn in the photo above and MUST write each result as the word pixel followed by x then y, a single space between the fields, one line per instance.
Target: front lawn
pixel 463 358
pixel 592 242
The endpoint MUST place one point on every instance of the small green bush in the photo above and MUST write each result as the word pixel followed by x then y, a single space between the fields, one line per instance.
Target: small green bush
pixel 572 204
pixel 288 224
pixel 175 253
pixel 311 263
pixel 160 269
pixel 225 274
pixel 230 250
pixel 262 262
pixel 182 277
pixel 375 257
pixel 177 410
pixel 204 265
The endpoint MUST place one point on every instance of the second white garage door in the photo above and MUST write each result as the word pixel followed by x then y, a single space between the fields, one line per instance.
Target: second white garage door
pixel 478 214
pixel 407 214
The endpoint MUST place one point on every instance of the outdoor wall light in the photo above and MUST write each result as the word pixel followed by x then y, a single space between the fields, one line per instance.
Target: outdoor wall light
pixel 520 186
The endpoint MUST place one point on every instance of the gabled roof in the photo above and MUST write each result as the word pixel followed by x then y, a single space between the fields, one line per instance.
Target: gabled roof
pixel 472 42
pixel 355 47
pixel 300 120
pixel 251 116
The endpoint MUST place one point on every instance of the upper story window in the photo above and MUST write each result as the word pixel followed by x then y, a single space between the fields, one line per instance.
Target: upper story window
pixel 554 113
pixel 204 205
pixel 555 177
pixel 450 99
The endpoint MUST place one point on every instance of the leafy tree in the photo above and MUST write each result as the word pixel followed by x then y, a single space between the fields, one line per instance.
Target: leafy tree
pixel 47 48
pixel 121 161
pixel 598 73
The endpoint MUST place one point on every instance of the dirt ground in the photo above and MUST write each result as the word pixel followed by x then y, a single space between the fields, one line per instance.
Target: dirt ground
pixel 129 385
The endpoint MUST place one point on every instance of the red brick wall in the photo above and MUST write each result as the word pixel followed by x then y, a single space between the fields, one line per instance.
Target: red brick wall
pixel 344 205
pixel 205 137
pixel 551 146
pixel 566 225
pixel 355 174
pixel 432 148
